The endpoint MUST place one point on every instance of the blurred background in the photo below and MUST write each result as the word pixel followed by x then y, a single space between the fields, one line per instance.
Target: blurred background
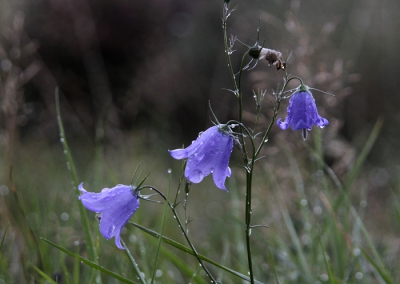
pixel 135 79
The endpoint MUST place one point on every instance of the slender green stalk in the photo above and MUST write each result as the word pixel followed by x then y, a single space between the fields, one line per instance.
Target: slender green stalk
pixel 236 84
pixel 183 231
pixel 189 251
pixel 249 166
pixel 4 236
pixel 90 246
pixel 153 276
pixel 44 275
pixel 134 264
pixel 90 263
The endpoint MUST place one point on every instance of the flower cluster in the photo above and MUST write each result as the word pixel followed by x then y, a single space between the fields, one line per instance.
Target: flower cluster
pixel 208 154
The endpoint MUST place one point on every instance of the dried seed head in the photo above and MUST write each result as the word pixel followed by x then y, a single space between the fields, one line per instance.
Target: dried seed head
pixel 273 57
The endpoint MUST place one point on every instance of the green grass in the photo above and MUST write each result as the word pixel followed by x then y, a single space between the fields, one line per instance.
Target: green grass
pixel 316 229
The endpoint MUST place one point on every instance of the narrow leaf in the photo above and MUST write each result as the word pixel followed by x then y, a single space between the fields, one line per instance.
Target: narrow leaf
pixel 378 268
pixel 4 236
pixel 90 263
pixel 189 251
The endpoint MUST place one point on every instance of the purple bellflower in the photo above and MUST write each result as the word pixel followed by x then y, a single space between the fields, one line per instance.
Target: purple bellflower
pixel 302 112
pixel 209 153
pixel 116 206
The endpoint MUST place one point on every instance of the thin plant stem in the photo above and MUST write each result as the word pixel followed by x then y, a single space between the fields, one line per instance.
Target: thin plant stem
pixel 134 264
pixel 248 166
pixel 90 246
pixel 183 231
pixel 153 276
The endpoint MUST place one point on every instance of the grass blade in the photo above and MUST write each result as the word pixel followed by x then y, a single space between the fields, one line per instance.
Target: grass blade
pixel 90 246
pixel 382 269
pixel 363 154
pixel 90 263
pixel 4 236
pixel 328 268
pixel 134 264
pixel 44 275
pixel 153 276
pixel 382 273
pixel 189 251
pixel 182 266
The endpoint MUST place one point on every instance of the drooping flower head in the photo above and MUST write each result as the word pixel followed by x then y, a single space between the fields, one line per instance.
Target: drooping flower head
pixel 116 206
pixel 209 153
pixel 302 112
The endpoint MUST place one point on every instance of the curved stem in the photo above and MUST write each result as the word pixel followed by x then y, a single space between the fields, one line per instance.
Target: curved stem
pixel 276 110
pixel 183 231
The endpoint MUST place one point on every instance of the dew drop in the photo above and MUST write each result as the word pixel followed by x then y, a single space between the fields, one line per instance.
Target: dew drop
pixel 169 171
pixel 359 275
pixel 62 140
pixel 64 216
pixel 196 176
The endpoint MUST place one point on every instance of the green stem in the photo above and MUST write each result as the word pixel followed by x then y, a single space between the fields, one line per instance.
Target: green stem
pixel 276 110
pixel 134 264
pixel 90 246
pixel 153 276
pixel 184 232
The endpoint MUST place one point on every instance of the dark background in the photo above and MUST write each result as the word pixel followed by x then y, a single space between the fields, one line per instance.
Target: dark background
pixel 123 66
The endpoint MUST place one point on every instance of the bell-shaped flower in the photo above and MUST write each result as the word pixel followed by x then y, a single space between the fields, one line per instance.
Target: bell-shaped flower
pixel 116 206
pixel 209 153
pixel 302 112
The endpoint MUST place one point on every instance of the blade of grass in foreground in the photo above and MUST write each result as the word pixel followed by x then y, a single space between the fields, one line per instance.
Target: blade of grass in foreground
pixel 180 264
pixel 189 251
pixel 328 268
pixel 134 264
pixel 302 261
pixel 71 167
pixel 273 266
pixel 4 236
pixel 153 276
pixel 90 263
pixel 363 155
pixel 381 272
pixel 44 275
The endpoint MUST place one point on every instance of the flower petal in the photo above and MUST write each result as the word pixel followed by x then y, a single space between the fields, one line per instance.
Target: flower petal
pixel 178 154
pixel 209 153
pixel 116 205
pixel 302 112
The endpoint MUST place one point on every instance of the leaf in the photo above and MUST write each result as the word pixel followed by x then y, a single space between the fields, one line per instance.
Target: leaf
pixel 90 263
pixel 189 251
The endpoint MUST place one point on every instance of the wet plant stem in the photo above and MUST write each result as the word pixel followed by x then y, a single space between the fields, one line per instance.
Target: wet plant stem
pixel 249 164
pixel 183 231
pixel 134 264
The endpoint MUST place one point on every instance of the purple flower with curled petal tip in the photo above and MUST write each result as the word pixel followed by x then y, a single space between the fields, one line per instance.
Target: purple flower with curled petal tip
pixel 116 206
pixel 302 112
pixel 209 153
